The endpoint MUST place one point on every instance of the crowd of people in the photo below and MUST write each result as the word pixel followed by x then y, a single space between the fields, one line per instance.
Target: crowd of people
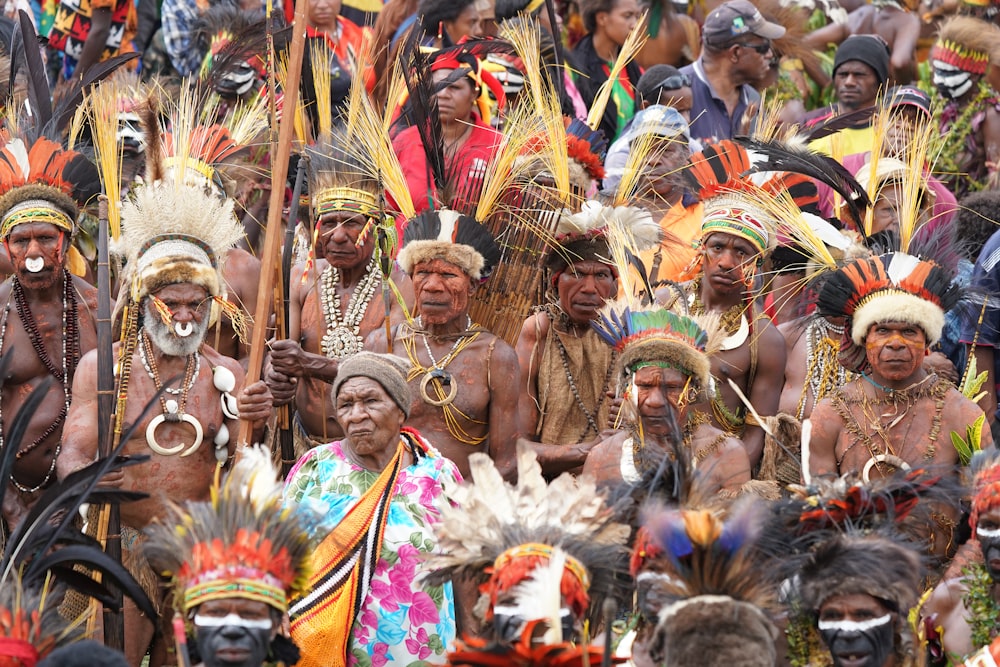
pixel 599 332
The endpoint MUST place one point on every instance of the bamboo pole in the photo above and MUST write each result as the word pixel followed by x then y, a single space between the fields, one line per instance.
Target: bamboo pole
pixel 114 618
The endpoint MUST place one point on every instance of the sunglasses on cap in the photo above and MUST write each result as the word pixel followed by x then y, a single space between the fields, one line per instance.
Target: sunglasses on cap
pixel 674 82
pixel 761 48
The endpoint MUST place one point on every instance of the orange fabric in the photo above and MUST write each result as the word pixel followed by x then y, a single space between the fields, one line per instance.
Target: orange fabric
pixel 684 223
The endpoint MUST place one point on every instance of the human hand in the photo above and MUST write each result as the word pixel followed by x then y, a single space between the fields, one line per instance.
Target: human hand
pixel 255 402
pixel 282 387
pixel 936 362
pixel 288 358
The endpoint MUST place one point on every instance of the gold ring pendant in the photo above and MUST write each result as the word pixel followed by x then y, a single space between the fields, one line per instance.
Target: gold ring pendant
pixel 445 379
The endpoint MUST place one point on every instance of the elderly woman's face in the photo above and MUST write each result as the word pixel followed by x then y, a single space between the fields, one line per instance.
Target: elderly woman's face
pixel 370 418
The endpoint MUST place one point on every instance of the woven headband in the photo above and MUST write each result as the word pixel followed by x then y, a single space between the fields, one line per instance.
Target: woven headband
pixel 252 585
pixel 735 222
pixel 34 210
pixel 343 199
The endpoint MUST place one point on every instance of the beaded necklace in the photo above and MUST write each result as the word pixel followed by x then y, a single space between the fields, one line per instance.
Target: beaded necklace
pixel 70 357
pixel 823 370
pixel 343 331
pixel 174 411
pixel 601 397
pixel 908 397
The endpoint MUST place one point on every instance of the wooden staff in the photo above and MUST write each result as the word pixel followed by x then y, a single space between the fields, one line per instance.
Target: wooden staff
pixel 114 618
pixel 272 235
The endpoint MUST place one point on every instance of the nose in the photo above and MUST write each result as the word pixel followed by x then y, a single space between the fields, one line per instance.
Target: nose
pixel 339 235
pixel 185 314
pixel 588 284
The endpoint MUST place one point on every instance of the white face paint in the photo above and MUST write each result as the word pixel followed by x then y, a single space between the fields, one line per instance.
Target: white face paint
pixel 854 626
pixel 232 620
pixel 183 329
pixel 986 533
pixel 34 264
pixel 950 81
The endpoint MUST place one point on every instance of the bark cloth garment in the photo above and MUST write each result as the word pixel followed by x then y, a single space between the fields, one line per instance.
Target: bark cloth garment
pixel 561 420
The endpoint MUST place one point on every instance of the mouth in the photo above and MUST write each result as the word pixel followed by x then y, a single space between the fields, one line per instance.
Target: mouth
pixel 232 654
pixel 852 659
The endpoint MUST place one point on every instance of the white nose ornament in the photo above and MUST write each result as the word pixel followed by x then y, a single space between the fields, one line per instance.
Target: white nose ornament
pixel 34 264
pixel 183 329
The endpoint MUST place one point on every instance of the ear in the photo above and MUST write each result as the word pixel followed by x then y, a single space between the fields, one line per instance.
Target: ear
pixel 473 285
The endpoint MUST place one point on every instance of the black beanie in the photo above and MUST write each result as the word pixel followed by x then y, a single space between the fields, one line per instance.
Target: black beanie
pixel 869 49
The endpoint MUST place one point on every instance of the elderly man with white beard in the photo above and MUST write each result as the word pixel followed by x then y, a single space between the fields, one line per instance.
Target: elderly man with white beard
pixel 174 237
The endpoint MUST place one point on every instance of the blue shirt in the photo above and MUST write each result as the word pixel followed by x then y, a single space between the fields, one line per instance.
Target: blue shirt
pixel 986 279
pixel 709 117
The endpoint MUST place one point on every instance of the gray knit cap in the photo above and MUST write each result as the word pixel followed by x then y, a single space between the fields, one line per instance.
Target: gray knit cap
pixel 387 369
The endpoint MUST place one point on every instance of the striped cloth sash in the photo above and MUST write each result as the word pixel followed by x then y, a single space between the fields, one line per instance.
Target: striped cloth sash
pixel 342 567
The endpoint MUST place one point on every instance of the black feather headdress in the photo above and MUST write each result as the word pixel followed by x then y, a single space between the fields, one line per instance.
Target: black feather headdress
pixel 455 238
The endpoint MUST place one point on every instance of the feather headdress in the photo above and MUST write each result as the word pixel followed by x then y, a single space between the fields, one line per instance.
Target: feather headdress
pixel 717 584
pixel 243 543
pixel 654 334
pixel 178 228
pixel 455 238
pixel 585 235
pixel 500 534
pixel 968 44
pixel 891 287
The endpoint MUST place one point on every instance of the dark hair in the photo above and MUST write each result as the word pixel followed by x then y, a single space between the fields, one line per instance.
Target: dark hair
pixel 432 13
pixel 977 218
pixel 589 9
pixel 650 85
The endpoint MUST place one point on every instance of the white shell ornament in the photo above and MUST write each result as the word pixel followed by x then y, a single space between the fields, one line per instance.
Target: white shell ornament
pixel 222 437
pixel 229 408
pixel 34 264
pixel 183 329
pixel 223 379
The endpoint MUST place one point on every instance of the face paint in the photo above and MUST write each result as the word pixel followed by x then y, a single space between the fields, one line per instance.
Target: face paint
pixel 240 644
pixel 989 542
pixel 509 622
pixel 858 643
pixel 951 81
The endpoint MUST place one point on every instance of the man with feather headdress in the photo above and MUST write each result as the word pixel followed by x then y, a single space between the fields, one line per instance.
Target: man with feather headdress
pixel 735 237
pixel 564 360
pixel 663 370
pixel 234 562
pixel 336 299
pixel 175 235
pixel 53 310
pixel 969 121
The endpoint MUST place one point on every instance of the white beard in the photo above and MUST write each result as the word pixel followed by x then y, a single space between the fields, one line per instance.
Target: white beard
pixel 166 340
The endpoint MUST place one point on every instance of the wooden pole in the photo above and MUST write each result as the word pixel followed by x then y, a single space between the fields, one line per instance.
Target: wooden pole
pixel 114 618
pixel 272 234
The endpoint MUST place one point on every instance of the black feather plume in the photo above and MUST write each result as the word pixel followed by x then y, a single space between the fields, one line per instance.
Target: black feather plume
pixel 781 156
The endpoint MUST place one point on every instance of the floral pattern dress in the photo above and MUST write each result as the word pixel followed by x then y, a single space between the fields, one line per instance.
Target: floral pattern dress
pixel 404 621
